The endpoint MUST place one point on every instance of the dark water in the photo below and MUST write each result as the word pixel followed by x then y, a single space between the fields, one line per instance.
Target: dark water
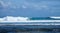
pixel 42 28
pixel 30 29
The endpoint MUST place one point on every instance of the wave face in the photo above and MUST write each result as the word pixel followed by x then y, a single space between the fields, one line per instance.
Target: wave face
pixel 45 18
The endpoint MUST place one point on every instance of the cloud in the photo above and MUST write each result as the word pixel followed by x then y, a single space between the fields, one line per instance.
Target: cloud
pixel 24 6
pixel 35 5
pixel 27 4
pixel 4 4
pixel 7 5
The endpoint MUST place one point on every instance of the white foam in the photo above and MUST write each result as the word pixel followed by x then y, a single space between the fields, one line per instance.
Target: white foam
pixel 55 17
pixel 24 19
pixel 11 18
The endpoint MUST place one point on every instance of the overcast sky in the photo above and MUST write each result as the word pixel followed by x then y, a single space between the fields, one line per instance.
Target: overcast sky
pixel 30 8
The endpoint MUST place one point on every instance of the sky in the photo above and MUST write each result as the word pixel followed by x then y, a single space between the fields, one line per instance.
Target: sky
pixel 29 8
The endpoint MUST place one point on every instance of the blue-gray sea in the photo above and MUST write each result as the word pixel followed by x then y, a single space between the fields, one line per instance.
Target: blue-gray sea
pixel 51 28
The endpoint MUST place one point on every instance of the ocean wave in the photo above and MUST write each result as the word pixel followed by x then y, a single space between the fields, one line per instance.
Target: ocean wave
pixel 11 18
pixel 32 19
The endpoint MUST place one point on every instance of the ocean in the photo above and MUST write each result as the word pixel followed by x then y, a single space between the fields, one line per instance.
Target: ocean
pixel 30 27
pixel 44 27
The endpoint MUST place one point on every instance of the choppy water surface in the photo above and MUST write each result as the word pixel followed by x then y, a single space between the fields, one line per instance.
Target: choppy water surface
pixel 30 29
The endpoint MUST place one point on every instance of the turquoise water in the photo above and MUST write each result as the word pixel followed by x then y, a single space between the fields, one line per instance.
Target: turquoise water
pixel 43 18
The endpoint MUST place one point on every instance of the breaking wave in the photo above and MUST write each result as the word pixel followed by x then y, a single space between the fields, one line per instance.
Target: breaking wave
pixel 15 19
pixel 11 18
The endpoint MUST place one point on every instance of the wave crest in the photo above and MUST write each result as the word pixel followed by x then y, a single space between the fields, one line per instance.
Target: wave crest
pixel 11 18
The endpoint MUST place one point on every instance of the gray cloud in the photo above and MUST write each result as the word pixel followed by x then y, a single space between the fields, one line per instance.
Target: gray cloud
pixel 23 4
